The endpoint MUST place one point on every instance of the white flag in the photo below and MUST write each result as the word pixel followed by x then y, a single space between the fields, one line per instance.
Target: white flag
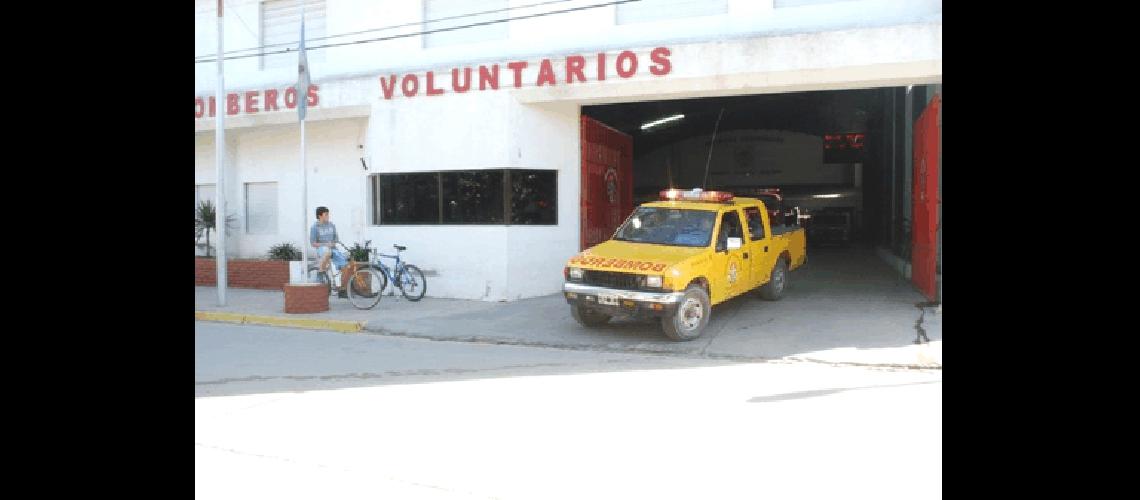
pixel 302 75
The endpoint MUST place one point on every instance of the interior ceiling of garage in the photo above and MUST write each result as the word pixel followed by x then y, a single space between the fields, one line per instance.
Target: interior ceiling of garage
pixel 814 113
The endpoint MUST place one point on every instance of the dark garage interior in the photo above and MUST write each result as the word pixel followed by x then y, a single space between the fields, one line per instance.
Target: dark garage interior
pixel 840 156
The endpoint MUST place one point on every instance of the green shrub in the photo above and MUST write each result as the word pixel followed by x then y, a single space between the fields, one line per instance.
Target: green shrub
pixel 358 253
pixel 284 251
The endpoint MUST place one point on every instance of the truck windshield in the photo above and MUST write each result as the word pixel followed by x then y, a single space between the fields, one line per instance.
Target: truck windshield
pixel 668 226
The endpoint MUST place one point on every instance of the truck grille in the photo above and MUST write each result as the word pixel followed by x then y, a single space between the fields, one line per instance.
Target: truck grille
pixel 609 279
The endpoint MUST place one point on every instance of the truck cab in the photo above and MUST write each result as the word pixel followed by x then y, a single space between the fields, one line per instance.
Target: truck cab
pixel 675 258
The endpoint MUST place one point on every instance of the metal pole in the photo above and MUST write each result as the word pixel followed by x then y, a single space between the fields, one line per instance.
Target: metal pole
pixel 304 94
pixel 304 199
pixel 711 144
pixel 220 165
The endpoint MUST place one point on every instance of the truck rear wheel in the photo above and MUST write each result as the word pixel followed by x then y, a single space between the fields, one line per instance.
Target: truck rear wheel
pixel 774 289
pixel 587 318
pixel 688 321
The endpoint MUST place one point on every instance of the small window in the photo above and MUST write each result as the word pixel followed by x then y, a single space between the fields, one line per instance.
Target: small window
pixel 281 29
pixel 656 10
pixel 729 228
pixel 447 14
pixel 755 223
pixel 261 208
pixel 205 192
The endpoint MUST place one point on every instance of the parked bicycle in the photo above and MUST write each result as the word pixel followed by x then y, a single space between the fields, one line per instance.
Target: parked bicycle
pixel 408 278
pixel 365 284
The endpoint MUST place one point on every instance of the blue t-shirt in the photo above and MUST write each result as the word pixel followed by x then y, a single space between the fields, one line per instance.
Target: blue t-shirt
pixel 322 233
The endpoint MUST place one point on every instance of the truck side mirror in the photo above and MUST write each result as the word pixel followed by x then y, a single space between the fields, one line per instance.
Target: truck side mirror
pixel 734 243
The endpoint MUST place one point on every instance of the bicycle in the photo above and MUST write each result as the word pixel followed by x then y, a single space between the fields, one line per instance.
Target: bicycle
pixel 408 278
pixel 366 284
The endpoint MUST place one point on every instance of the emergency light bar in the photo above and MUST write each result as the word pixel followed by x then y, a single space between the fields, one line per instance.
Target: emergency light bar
pixel 696 194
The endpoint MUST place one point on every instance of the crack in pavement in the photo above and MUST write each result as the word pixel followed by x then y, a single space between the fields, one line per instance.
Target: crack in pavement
pixel 641 350
pixel 369 376
pixel 921 338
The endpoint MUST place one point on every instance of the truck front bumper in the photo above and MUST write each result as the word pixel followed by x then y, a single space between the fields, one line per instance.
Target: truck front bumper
pixel 614 301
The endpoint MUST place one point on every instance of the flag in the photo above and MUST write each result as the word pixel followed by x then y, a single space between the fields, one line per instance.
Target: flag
pixel 302 75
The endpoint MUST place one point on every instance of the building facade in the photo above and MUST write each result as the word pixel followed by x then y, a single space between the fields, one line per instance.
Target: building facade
pixel 455 128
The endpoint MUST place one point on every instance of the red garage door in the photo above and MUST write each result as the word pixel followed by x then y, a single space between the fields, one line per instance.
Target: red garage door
pixel 925 235
pixel 607 180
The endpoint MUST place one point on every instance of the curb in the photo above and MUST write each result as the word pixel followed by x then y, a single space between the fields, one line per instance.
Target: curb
pixel 308 323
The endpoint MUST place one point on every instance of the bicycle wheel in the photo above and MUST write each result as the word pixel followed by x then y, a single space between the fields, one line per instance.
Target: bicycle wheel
pixel 412 283
pixel 314 275
pixel 364 287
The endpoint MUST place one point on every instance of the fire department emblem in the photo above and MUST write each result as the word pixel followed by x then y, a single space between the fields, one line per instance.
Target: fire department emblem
pixel 611 184
pixel 731 272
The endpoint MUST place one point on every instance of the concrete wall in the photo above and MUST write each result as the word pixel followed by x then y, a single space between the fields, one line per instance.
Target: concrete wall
pixel 492 132
pixel 585 30
pixel 545 137
pixel 272 154
pixel 758 47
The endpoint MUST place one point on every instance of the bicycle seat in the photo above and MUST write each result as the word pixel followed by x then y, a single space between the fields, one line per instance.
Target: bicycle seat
pixel 400 248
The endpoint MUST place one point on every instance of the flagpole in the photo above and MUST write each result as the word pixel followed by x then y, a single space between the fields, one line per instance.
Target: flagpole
pixel 304 197
pixel 302 97
pixel 220 166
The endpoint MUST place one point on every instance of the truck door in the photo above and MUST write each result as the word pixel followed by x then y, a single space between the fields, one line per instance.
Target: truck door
pixel 730 276
pixel 758 257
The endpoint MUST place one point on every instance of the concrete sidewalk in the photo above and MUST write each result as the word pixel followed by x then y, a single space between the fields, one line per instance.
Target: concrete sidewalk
pixel 870 321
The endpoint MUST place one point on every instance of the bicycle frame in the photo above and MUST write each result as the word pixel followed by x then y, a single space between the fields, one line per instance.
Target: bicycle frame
pixel 390 273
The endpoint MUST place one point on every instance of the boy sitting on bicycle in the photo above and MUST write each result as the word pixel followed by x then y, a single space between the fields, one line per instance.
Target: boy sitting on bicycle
pixel 323 237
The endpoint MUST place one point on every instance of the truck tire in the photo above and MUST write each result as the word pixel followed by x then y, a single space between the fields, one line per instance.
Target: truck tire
pixel 588 318
pixel 688 321
pixel 774 289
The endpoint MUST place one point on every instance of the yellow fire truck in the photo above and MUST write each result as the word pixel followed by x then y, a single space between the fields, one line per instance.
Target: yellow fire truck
pixel 675 258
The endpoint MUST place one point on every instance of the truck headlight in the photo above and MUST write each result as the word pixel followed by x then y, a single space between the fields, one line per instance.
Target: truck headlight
pixel 575 273
pixel 653 281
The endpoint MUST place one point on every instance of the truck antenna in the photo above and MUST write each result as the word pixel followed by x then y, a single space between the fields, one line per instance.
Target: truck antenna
pixel 711 144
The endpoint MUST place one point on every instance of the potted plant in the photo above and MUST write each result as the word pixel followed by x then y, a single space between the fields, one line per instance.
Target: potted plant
pixel 205 221
pixel 358 254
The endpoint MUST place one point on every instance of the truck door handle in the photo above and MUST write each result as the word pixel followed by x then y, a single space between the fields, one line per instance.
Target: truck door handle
pixel 745 255
pixel 765 249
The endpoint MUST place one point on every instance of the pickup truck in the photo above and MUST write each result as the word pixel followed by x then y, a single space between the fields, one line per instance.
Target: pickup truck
pixel 830 227
pixel 675 258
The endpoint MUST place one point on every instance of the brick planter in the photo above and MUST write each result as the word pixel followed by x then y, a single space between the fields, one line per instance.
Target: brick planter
pixel 243 273
pixel 302 298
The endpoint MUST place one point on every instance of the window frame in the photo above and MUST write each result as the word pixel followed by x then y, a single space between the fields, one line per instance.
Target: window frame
pixel 377 219
pixel 748 211
pixel 276 208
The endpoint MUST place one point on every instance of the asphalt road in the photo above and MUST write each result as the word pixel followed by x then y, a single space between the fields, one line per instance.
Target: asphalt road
pixel 283 413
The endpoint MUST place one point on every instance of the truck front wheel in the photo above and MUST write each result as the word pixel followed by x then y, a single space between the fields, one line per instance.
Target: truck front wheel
pixel 688 321
pixel 588 318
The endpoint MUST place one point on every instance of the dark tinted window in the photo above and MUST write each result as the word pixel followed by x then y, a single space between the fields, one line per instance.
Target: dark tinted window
pixel 409 199
pixel 466 197
pixel 755 223
pixel 534 196
pixel 472 197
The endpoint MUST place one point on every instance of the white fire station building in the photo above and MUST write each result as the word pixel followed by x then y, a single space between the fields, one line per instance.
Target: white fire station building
pixel 495 138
